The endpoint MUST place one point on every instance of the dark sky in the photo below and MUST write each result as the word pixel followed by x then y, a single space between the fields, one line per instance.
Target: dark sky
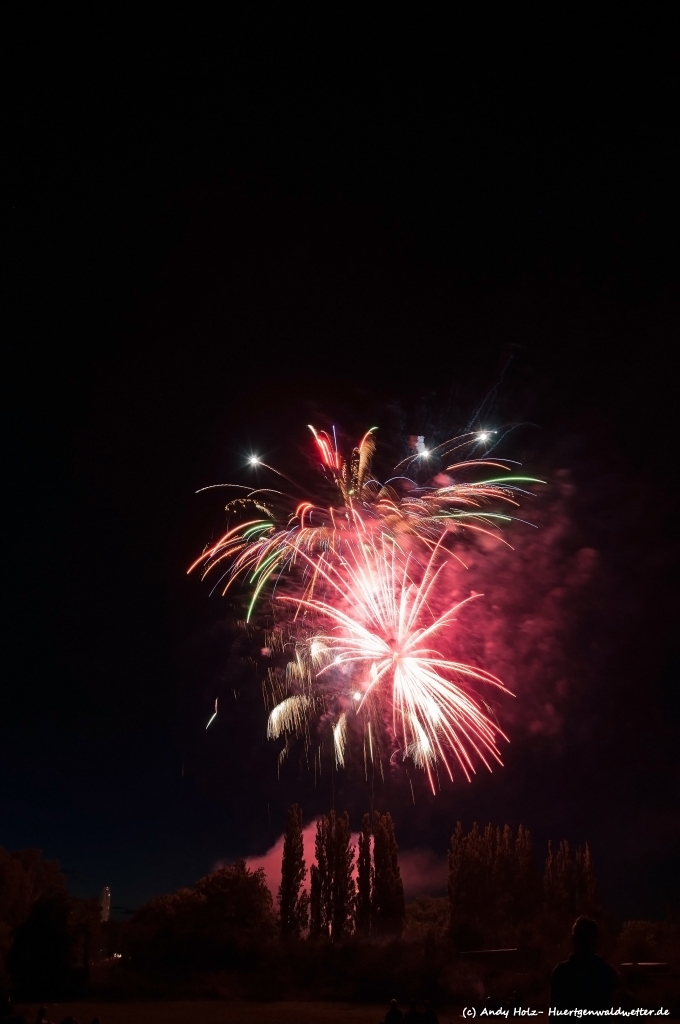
pixel 217 232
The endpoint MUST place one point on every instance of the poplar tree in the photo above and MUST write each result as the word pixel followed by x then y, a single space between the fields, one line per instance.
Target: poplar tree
pixel 493 884
pixel 388 906
pixel 335 860
pixel 569 888
pixel 467 876
pixel 456 855
pixel 293 901
pixel 527 876
pixel 315 903
pixel 565 875
pixel 549 877
pixel 364 879
pixel 342 887
pixel 559 891
pixel 586 887
pixel 323 846
pixel 527 886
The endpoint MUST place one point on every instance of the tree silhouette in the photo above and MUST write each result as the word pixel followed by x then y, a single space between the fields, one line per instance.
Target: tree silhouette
pixel 586 886
pixel 334 861
pixel 388 907
pixel 569 886
pixel 45 934
pixel 343 888
pixel 51 950
pixel 364 878
pixel 214 925
pixel 493 885
pixel 315 926
pixel 527 885
pixel 323 847
pixel 293 901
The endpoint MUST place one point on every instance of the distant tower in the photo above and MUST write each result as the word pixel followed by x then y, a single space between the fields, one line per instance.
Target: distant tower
pixel 105 904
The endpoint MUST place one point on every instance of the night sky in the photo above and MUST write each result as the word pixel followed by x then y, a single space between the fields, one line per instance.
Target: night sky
pixel 220 233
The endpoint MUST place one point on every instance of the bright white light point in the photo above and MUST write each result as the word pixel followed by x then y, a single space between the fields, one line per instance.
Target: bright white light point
pixel 253 460
pixel 336 659
pixel 483 436
pixel 425 453
pixel 356 695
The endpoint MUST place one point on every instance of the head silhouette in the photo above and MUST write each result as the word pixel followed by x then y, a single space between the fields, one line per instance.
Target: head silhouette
pixel 584 935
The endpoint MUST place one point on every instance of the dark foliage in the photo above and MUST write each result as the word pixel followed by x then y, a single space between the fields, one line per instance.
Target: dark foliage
pixel 315 902
pixel 364 879
pixel 336 888
pixel 497 897
pixel 52 949
pixel 293 901
pixel 219 924
pixel 47 937
pixel 388 909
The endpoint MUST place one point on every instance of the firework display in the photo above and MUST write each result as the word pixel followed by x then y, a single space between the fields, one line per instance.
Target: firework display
pixel 360 590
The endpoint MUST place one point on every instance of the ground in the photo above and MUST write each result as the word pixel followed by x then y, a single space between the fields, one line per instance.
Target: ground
pixel 216 1012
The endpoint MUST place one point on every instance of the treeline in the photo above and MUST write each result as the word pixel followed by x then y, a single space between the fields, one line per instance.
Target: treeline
pixel 350 895
pixel 498 895
pixel 338 927
pixel 221 923
pixel 48 938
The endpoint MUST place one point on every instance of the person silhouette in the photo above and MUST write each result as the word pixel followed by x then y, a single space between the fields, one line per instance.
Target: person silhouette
pixel 394 1014
pixel 41 1016
pixel 412 1016
pixel 585 981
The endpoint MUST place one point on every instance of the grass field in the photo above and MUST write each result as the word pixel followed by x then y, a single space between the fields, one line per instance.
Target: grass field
pixel 216 1012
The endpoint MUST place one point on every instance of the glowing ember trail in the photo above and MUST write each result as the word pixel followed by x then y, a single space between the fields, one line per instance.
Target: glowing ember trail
pixel 363 573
